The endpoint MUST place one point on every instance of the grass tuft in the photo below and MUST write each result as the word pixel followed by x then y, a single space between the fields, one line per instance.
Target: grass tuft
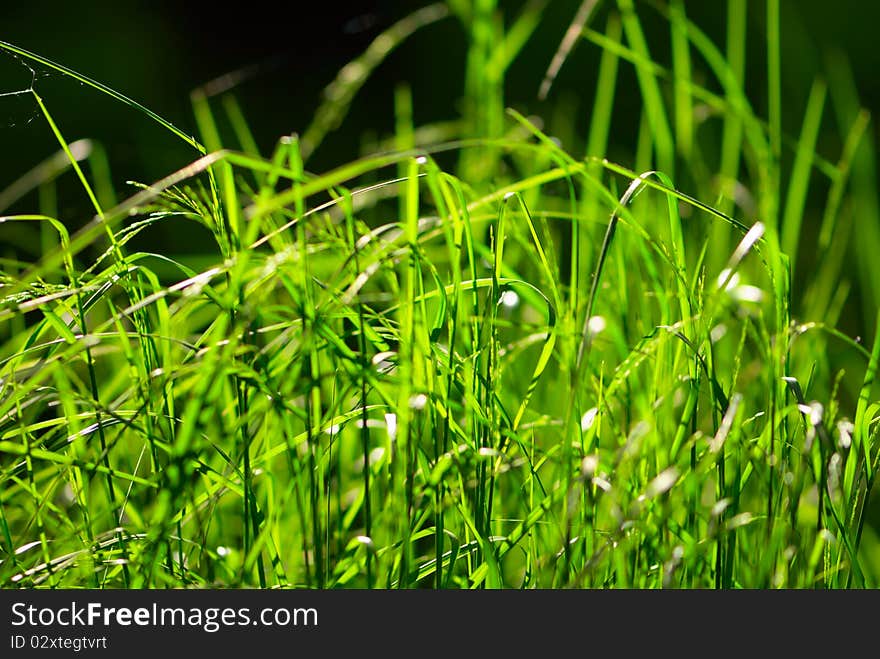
pixel 481 361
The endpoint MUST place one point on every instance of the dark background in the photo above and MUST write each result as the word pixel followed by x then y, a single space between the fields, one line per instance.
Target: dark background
pixel 157 52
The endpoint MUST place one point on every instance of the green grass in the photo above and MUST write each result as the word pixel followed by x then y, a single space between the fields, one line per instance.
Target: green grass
pixel 470 358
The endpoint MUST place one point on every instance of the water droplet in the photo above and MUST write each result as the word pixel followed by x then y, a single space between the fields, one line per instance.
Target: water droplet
pixel 509 299
pixel 596 325
pixel 391 426
pixel 588 418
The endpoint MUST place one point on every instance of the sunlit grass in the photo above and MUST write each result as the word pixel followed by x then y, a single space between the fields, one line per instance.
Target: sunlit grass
pixel 521 366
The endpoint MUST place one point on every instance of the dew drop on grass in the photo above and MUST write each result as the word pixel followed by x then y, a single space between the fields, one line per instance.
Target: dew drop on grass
pixel 377 454
pixel 596 325
pixel 391 425
pixel 67 494
pixel 602 483
pixel 845 429
pixel 727 280
pixel 509 299
pixel 817 411
pixel 25 547
pixel 720 507
pixel 738 520
pixel 382 361
pixel 662 483
pixel 747 294
pixel 589 465
pixel 588 418
pixel 718 332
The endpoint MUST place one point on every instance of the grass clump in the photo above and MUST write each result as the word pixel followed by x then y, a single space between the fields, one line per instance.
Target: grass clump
pixel 472 356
